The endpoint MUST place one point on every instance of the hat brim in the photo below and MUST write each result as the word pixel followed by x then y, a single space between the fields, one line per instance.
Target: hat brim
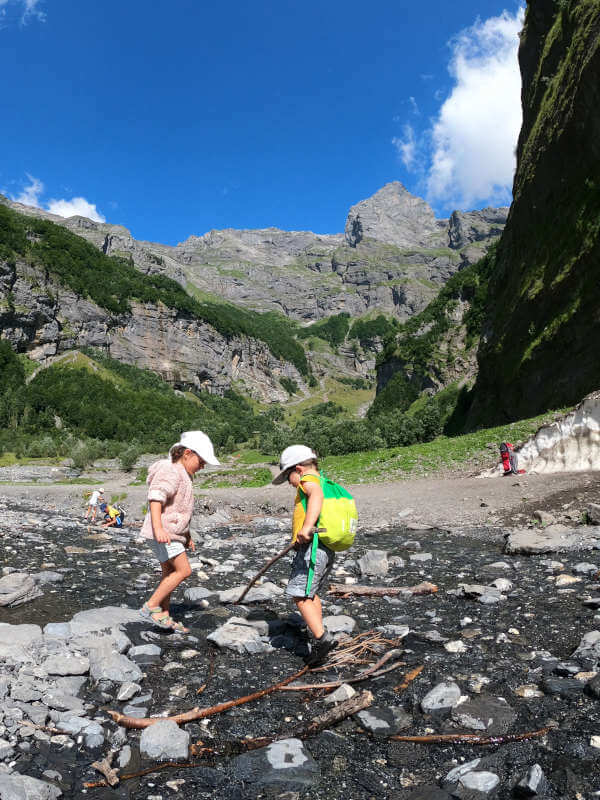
pixel 282 477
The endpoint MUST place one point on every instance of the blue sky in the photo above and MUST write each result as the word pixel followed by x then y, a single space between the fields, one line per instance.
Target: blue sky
pixel 173 118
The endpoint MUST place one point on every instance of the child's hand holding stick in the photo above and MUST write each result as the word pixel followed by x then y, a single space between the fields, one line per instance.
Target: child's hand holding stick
pixel 270 563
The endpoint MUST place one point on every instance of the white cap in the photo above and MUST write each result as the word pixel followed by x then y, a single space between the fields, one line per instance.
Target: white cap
pixel 200 444
pixel 101 491
pixel 292 455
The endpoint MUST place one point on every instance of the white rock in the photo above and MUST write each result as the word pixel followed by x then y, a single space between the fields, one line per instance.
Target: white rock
pixel 343 692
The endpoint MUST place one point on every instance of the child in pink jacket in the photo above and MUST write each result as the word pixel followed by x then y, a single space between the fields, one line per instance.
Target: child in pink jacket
pixel 167 523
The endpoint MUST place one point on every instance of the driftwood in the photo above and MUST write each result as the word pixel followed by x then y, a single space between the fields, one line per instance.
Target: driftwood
pixel 105 767
pixel 380 591
pixel 202 713
pixel 372 672
pixel 471 738
pixel 269 564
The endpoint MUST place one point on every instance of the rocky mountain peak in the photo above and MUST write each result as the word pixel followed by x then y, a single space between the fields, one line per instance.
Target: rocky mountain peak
pixel 395 216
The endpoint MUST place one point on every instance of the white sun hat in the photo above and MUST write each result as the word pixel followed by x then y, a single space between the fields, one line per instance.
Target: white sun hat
pixel 101 491
pixel 200 444
pixel 292 455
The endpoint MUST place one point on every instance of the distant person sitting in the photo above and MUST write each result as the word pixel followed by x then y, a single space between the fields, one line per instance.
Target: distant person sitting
pixel 96 499
pixel 113 516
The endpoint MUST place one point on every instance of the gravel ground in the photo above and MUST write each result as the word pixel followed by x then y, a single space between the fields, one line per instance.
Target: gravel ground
pixel 511 631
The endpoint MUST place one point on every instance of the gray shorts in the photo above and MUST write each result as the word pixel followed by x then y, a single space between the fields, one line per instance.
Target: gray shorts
pixel 165 552
pixel 299 573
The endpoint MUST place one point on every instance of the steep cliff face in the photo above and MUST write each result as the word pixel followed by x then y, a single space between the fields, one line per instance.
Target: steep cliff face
pixel 395 261
pixel 42 317
pixel 539 347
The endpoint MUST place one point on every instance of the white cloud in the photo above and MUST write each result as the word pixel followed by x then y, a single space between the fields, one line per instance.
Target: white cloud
pixel 474 136
pixel 27 10
pixel 406 145
pixel 76 206
pixel 31 196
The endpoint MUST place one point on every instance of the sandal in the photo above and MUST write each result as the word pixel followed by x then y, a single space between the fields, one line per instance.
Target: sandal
pixel 178 627
pixel 157 616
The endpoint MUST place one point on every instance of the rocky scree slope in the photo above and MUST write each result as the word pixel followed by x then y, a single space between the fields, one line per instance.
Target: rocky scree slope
pixel 540 335
pixel 394 256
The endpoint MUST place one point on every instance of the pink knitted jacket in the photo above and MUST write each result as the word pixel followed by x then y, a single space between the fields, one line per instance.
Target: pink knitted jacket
pixel 172 486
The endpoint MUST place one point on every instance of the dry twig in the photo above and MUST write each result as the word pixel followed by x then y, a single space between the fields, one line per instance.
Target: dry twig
pixel 211 669
pixel 373 671
pixel 471 738
pixel 201 713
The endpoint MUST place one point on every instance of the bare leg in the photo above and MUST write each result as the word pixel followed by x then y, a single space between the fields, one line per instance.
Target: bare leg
pixel 167 569
pixel 180 570
pixel 312 614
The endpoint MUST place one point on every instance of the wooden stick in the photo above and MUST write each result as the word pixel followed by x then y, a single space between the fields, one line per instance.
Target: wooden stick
pixel 380 591
pixel 360 677
pixel 471 738
pixel 147 771
pixel 269 564
pixel 201 713
pixel 408 679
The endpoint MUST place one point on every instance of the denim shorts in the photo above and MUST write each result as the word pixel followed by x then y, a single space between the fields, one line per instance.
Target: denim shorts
pixel 299 572
pixel 165 552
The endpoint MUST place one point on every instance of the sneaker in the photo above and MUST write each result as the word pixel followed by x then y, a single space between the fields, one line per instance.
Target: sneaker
pixel 320 649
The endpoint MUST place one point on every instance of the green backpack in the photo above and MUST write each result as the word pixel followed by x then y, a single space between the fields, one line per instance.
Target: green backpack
pixel 338 517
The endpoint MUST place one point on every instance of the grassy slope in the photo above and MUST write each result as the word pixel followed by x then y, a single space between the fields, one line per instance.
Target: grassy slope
pixel 462 454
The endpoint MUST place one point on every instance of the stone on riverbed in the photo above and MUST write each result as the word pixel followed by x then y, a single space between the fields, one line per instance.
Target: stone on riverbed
pixel 286 763
pixel 258 594
pixel 18 588
pixel 23 787
pixel 164 741
pixel 239 636
pixel 339 623
pixel 442 697
pixel 588 651
pixel 374 562
pixel 66 665
pixel 15 641
pixel 106 664
pixel 553 539
pixel 101 619
pixel 198 593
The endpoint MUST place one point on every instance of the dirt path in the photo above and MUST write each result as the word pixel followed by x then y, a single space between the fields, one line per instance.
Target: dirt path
pixel 431 502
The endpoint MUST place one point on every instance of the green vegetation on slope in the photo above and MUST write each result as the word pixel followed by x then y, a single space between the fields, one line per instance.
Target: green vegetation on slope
pixel 416 349
pixel 113 283
pixel 543 327
pixel 116 405
pixel 332 330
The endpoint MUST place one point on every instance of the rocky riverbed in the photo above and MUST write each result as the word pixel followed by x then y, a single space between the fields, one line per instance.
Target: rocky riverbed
pixel 509 644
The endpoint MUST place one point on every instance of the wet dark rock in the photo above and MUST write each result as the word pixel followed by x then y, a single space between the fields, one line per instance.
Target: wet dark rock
pixel 588 651
pixel 484 713
pixel 564 687
pixel 285 762
pixel 384 721
pixel 593 687
pixel 429 793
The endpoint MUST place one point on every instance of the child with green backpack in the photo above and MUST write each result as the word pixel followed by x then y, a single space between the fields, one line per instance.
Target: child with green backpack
pixel 324 504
